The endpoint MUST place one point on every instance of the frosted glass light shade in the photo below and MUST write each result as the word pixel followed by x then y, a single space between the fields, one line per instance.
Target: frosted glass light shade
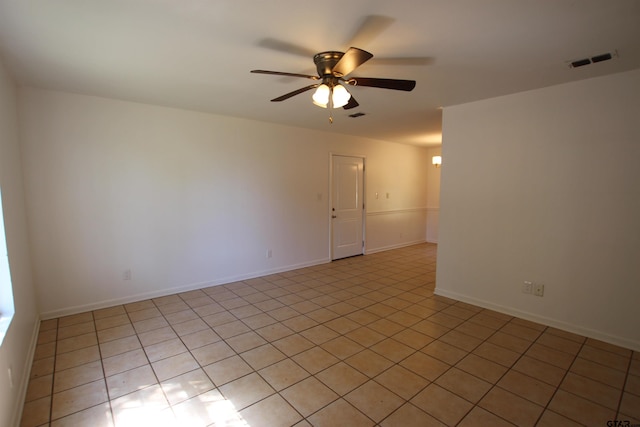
pixel 436 160
pixel 340 96
pixel 321 96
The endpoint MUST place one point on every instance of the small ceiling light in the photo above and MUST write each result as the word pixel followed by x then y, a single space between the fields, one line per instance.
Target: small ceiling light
pixel 321 96
pixel 436 161
pixel 340 96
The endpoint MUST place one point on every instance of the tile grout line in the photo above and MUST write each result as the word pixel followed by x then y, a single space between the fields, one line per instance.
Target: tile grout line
pixel 182 342
pixel 564 376
pixel 142 347
pixel 104 373
pixel 624 385
pixel 53 373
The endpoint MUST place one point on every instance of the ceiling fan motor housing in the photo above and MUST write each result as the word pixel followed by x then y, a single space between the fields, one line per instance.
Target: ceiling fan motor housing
pixel 325 61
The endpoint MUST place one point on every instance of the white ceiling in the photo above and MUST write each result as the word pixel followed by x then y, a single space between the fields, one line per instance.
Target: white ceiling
pixel 197 54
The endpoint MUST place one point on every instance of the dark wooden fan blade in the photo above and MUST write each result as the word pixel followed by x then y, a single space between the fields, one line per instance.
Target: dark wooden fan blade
pixel 294 93
pixel 394 84
pixel 352 59
pixel 351 104
pixel 280 73
pixel 370 28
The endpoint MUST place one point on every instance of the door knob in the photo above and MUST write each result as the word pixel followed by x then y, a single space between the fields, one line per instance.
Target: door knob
pixel 334 216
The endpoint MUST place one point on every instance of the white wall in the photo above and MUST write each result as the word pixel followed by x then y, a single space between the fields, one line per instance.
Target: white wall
pixel 545 186
pixel 396 197
pixel 186 199
pixel 16 350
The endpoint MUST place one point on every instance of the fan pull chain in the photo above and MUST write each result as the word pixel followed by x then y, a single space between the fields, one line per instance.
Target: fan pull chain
pixel 330 106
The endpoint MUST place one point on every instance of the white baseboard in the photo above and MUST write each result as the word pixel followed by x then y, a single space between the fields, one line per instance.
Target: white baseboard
pixel 395 246
pixel 170 291
pixel 569 327
pixel 21 394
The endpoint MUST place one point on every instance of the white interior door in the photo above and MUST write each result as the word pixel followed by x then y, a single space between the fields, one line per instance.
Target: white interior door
pixel 347 206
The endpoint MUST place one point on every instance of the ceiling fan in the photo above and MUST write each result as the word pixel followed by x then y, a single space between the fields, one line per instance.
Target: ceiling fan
pixel 333 68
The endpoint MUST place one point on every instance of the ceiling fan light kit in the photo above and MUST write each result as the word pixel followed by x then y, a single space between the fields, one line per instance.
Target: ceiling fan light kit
pixel 333 67
pixel 335 97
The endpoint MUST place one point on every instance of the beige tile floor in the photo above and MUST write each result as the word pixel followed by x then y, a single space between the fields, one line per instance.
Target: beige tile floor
pixel 358 342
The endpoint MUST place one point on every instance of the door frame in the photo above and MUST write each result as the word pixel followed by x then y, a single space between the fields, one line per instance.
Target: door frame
pixel 364 200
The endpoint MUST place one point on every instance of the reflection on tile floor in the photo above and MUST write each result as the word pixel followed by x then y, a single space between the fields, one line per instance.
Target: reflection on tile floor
pixel 357 342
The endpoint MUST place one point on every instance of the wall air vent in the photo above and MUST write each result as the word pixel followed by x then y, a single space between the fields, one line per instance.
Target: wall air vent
pixel 354 115
pixel 588 61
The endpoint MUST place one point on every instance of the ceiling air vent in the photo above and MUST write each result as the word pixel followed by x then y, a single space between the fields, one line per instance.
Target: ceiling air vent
pixel 580 63
pixel 598 58
pixel 354 115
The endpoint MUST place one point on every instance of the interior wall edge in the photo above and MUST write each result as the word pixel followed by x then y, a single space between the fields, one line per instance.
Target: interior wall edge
pixel 547 321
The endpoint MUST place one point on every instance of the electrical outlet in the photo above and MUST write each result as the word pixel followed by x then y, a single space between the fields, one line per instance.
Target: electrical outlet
pixel 527 287
pixel 126 275
pixel 269 253
pixel 538 290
